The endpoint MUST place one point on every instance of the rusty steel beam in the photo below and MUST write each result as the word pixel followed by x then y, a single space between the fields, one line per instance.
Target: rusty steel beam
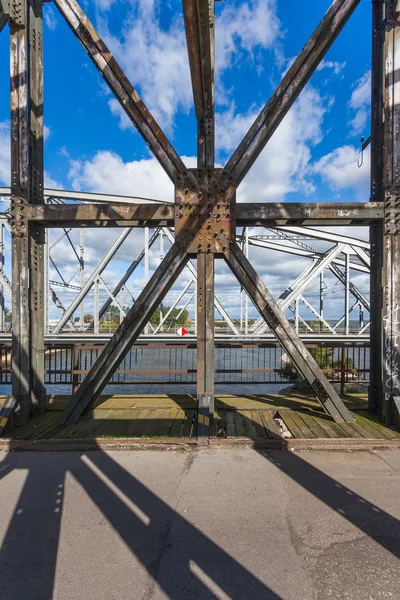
pixel 119 84
pixel 391 189
pixel 103 215
pixel 35 196
pixel 3 15
pixel 284 332
pixel 247 214
pixel 126 334
pixel 375 397
pixel 19 199
pixel 288 91
pixel 298 213
pixel 199 27
pixel 205 328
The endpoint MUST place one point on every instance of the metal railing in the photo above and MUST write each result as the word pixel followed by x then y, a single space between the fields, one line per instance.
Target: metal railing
pixel 160 363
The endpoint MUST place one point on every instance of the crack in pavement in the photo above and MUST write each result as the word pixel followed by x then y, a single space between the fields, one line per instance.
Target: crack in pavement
pixel 164 536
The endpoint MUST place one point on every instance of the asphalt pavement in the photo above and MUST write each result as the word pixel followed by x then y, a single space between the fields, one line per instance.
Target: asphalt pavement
pixel 209 523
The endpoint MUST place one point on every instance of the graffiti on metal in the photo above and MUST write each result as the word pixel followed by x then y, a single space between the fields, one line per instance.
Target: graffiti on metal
pixel 391 322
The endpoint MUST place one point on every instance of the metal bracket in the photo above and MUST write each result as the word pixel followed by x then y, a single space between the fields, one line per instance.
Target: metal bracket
pixel 18 218
pixel 392 12
pixel 17 14
pixel 392 214
pixel 205 216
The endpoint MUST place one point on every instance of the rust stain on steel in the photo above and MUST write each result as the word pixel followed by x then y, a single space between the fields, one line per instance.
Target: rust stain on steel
pixel 102 215
pixel 352 212
pixel 205 217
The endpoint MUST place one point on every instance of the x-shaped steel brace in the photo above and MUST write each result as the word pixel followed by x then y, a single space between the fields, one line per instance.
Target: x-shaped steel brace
pixel 205 223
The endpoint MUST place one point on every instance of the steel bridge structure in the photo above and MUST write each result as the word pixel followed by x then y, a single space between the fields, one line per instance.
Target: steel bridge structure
pixel 204 222
pixel 340 258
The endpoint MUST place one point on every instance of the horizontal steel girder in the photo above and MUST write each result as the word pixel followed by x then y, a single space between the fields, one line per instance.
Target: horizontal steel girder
pixel 247 214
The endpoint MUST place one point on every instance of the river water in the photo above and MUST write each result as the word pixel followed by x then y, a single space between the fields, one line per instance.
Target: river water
pixel 248 370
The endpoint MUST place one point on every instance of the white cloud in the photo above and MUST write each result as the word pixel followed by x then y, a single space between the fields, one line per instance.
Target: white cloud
pixel 360 102
pixel 107 172
pixel 46 132
pixel 361 95
pixel 336 67
pixel 104 4
pixel 117 111
pixel 339 169
pixel 284 165
pixel 51 183
pixel 50 17
pixel 245 27
pixel 154 57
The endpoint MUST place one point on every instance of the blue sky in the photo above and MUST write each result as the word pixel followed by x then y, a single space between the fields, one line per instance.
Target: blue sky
pixel 91 146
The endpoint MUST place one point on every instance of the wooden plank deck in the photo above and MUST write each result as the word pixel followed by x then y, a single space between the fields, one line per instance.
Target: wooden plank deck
pixel 173 416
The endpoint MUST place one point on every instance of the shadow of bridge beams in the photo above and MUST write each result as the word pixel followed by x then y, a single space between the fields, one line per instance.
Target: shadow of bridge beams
pixel 28 558
pixel 30 547
pixel 376 523
pixel 29 551
pixel 194 547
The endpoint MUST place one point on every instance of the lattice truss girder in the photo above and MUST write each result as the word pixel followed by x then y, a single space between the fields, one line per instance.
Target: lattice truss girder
pixel 62 286
pixel 205 199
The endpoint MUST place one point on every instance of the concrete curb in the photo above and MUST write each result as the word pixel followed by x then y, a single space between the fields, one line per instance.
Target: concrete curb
pixel 186 444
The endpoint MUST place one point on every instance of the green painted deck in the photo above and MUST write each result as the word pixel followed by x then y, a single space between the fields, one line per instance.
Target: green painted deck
pixel 173 416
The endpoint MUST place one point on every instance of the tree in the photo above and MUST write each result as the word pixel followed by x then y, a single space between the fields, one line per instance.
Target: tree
pixel 112 314
pixel 325 359
pixel 88 318
pixel 172 318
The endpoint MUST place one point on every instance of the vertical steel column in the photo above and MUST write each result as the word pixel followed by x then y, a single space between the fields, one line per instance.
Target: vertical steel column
pixel 35 191
pixel 1 269
pixel 46 282
pixel 205 261
pixel 246 298
pixel 343 367
pixel 122 300
pixel 242 291
pixel 391 264
pixel 347 295
pixel 321 299
pixel 146 266
pixel 96 306
pixel 161 259
pixel 195 311
pixel 19 198
pixel 205 331
pixel 296 315
pixel 82 275
pixel 375 399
